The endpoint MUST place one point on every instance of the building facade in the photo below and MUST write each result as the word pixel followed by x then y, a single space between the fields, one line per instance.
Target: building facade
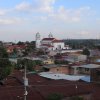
pixel 50 43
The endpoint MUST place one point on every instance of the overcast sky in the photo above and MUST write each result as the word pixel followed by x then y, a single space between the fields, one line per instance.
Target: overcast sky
pixel 20 20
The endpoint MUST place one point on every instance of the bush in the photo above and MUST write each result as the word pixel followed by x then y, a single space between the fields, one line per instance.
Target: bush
pixel 54 96
pixel 77 98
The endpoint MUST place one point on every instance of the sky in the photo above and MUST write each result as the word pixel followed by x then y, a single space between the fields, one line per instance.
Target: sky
pixel 20 20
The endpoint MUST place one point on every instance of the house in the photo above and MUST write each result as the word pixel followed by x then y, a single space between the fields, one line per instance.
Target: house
pixel 76 58
pixel 94 53
pixel 84 69
pixel 7 44
pixel 18 48
pixel 48 61
pixel 61 69
pixel 96 60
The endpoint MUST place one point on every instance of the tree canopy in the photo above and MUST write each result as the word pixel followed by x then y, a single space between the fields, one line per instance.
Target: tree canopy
pixel 86 52
pixel 29 63
pixel 5 65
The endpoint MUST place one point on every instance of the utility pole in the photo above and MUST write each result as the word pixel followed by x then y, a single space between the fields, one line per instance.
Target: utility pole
pixel 25 84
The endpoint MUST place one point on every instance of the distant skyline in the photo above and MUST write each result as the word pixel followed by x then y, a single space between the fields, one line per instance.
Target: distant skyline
pixel 20 20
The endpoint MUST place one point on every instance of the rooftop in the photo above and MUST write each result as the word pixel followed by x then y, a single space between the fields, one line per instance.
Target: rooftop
pixel 90 66
pixel 39 88
pixel 48 39
pixel 57 41
pixel 56 76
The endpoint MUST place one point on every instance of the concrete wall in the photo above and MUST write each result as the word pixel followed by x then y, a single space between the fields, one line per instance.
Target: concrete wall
pixel 62 70
pixel 58 45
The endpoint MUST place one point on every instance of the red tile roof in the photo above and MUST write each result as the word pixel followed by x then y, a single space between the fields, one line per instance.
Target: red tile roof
pixel 39 88
pixel 48 39
pixel 16 46
pixel 57 41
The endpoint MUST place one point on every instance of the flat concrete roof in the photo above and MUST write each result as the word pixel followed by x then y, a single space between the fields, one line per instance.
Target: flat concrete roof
pixel 54 76
pixel 90 66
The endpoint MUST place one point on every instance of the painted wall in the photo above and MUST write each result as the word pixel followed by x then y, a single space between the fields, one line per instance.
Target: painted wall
pixel 62 70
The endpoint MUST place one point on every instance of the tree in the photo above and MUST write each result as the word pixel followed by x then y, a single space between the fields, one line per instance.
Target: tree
pixel 5 65
pixel 86 52
pixel 40 52
pixel 55 96
pixel 20 43
pixel 29 63
pixel 77 98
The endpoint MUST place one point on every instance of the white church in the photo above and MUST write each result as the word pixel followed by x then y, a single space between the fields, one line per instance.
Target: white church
pixel 50 43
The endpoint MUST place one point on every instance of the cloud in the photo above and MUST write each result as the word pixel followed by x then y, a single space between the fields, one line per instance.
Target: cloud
pixel 46 5
pixel 2 12
pixel 51 13
pixel 83 11
pixel 36 6
pixel 84 33
pixel 7 21
pixel 70 15
pixel 24 6
pixel 44 10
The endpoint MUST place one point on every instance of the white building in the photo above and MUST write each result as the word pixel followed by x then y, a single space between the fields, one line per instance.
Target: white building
pixel 50 43
pixel 38 40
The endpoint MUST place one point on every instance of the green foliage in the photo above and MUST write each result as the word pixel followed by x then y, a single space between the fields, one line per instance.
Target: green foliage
pixel 80 43
pixel 4 72
pixel 3 53
pixel 77 98
pixel 40 52
pixel 29 63
pixel 54 96
pixel 14 51
pixel 38 62
pixel 29 48
pixel 20 43
pixel 20 64
pixel 5 65
pixel 86 52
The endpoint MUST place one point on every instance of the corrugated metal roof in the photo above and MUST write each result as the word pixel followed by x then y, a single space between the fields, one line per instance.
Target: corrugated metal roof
pixel 54 76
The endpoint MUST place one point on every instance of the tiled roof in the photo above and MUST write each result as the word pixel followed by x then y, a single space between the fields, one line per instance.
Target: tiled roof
pixel 16 46
pixel 48 39
pixel 57 41
pixel 39 88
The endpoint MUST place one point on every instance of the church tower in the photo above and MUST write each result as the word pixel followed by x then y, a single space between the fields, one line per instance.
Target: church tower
pixel 50 35
pixel 38 40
